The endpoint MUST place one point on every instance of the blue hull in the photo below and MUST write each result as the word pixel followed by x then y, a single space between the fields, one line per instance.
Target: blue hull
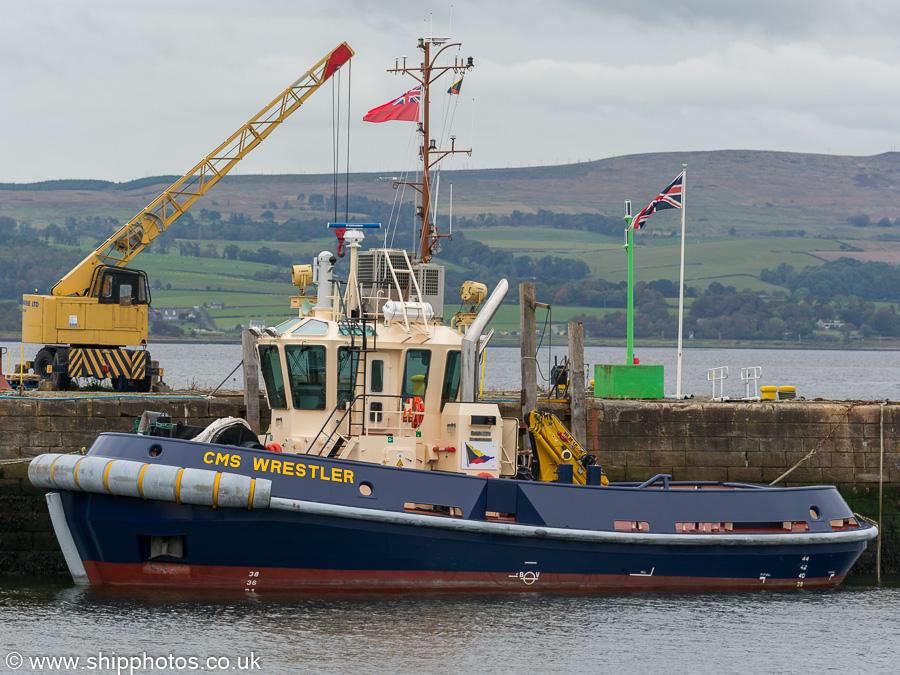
pixel 324 533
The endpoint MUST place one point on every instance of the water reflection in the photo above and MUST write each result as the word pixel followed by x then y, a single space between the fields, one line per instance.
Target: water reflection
pixel 847 629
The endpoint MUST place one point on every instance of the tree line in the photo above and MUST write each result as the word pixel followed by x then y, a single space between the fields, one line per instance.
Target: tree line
pixel 842 291
pixel 724 312
pixel 844 276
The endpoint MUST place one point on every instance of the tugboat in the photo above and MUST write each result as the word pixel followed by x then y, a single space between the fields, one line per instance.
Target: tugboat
pixel 381 471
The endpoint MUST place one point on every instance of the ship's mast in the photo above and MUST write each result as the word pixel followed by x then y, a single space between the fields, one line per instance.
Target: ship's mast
pixel 427 73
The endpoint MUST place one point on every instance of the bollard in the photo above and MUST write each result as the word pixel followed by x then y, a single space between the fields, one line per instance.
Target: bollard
pixel 564 473
pixel 595 474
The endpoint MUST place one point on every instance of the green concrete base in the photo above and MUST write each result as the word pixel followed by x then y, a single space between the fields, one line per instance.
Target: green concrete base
pixel 623 381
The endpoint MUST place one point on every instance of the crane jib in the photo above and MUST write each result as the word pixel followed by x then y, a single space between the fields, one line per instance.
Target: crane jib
pixel 336 59
pixel 132 237
pixel 75 313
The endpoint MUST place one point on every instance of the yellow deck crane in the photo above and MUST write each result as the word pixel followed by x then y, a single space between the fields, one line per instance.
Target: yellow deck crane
pixel 100 306
pixel 555 446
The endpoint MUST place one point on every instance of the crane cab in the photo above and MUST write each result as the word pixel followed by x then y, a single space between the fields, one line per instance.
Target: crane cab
pixel 112 314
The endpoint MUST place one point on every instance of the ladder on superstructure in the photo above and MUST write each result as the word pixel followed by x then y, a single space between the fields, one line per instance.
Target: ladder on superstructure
pixel 412 283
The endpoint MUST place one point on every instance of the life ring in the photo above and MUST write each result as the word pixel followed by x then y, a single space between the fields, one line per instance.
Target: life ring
pixel 414 411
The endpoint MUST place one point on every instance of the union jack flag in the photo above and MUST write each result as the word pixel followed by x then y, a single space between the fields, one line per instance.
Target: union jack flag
pixel 669 198
pixel 412 96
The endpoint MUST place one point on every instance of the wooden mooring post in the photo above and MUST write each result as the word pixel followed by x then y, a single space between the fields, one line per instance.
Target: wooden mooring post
pixel 576 383
pixel 251 380
pixel 528 362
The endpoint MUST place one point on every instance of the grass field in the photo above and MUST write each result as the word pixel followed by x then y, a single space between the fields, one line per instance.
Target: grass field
pixel 537 239
pixel 507 317
pixel 729 260
pixel 732 261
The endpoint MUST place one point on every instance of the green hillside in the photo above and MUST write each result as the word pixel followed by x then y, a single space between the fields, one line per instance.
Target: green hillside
pixel 746 212
pixel 752 191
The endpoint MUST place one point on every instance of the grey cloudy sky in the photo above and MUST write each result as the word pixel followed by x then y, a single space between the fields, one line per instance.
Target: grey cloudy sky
pixel 120 90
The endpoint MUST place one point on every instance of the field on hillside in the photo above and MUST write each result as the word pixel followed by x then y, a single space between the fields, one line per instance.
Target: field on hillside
pixel 734 199
pixel 507 318
pixel 730 261
pixel 755 192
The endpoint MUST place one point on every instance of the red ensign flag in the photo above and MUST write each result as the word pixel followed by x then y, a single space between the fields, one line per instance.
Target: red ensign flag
pixel 405 108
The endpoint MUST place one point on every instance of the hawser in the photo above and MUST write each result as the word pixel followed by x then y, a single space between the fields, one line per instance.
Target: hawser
pixel 381 470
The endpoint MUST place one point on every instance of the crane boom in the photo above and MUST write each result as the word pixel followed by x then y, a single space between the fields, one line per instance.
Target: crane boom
pixel 98 307
pixel 136 234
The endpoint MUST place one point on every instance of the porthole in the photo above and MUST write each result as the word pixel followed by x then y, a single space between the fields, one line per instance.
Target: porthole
pixel 155 450
pixel 365 489
pixel 814 512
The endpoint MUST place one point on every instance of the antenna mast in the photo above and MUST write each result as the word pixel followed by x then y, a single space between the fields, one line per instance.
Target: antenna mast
pixel 426 74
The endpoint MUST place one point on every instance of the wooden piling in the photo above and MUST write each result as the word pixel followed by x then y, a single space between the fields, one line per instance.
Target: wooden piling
pixel 576 383
pixel 251 379
pixel 528 362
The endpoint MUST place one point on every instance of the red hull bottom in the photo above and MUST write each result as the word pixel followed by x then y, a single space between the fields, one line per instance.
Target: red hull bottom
pixel 170 575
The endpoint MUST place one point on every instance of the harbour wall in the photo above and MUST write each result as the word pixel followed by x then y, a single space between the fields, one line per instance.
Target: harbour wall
pixel 633 440
pixel 34 426
pixel 818 442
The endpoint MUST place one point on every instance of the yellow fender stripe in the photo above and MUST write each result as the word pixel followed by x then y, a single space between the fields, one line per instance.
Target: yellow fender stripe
pixel 216 489
pixel 106 476
pixel 178 486
pixel 52 467
pixel 252 491
pixel 77 466
pixel 141 481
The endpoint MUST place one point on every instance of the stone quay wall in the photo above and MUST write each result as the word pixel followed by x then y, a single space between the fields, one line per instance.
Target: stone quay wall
pixel 756 442
pixel 748 442
pixel 633 440
pixel 33 426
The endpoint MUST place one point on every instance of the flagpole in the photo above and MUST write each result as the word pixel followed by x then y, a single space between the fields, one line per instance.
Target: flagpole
pixel 629 241
pixel 681 283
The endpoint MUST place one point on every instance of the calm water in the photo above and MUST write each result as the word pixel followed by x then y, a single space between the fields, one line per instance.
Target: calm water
pixel 850 630
pixel 833 374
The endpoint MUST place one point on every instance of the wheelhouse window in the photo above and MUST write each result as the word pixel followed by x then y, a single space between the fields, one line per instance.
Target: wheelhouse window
pixel 348 362
pixel 450 390
pixel 307 373
pixel 311 327
pixel 415 373
pixel 270 364
pixel 376 378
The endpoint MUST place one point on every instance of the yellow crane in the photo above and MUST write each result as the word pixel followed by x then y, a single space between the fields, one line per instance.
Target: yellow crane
pixel 100 306
pixel 554 445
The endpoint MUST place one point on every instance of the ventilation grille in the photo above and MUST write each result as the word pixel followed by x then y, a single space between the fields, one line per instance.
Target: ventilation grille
pixel 373 266
pixel 429 280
